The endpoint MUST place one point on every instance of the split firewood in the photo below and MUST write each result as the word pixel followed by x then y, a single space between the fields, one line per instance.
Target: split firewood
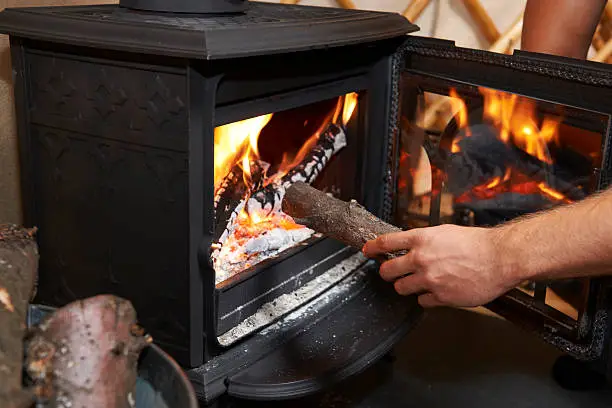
pixel 18 272
pixel 347 222
pixel 86 354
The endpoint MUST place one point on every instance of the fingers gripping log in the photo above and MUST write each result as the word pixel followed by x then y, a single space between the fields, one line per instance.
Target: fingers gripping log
pixel 347 222
pixel 18 271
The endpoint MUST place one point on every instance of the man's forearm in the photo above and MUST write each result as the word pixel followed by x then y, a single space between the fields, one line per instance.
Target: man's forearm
pixel 560 27
pixel 569 241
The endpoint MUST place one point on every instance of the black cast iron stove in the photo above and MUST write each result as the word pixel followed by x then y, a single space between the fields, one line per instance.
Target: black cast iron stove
pixel 156 137
pixel 121 112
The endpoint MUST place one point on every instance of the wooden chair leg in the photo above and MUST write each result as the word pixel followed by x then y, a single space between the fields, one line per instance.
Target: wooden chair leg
pixel 415 9
pixel 482 19
pixel 604 53
pixel 512 35
pixel 347 4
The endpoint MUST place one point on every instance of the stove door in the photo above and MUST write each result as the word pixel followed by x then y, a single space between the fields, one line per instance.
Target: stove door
pixel 487 137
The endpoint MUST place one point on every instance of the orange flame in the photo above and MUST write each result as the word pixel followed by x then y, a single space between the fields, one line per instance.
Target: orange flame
pixel 460 112
pixel 237 143
pixel 517 122
pixel 350 102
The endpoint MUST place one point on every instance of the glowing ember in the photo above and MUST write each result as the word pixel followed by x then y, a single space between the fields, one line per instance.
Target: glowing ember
pixel 251 225
pixel 550 192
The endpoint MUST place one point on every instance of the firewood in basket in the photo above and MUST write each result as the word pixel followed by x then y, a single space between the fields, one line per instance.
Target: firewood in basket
pixel 86 353
pixel 18 272
pixel 269 199
pixel 347 222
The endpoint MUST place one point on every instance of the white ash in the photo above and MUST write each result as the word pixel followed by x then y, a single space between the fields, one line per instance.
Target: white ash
pixel 277 239
pixel 284 304
pixel 317 303
pixel 230 260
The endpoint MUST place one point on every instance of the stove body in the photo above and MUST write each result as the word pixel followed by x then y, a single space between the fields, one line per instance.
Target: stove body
pixel 117 111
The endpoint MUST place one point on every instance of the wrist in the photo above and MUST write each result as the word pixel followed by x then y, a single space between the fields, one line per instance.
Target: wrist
pixel 514 256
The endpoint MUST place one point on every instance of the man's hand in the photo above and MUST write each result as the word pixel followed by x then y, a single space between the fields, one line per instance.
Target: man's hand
pixel 447 265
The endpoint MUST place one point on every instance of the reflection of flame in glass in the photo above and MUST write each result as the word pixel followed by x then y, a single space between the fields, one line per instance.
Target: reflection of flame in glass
pixel 460 112
pixel 516 122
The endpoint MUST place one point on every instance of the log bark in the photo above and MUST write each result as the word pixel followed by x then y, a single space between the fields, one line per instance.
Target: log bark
pixel 347 222
pixel 18 272
pixel 86 354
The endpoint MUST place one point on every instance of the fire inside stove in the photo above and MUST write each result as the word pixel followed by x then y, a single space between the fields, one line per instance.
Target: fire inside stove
pixel 255 161
pixel 493 157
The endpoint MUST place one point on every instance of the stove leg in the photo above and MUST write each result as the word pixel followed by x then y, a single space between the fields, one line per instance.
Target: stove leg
pixel 575 375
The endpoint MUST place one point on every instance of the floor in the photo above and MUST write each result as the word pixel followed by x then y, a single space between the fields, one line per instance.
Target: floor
pixel 457 358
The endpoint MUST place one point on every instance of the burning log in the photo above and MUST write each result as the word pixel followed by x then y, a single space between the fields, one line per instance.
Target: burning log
pixel 233 184
pixel 86 354
pixel 18 271
pixel 347 222
pixel 233 189
pixel 269 199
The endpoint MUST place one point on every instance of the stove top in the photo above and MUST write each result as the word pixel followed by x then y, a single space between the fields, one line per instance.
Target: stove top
pixel 264 28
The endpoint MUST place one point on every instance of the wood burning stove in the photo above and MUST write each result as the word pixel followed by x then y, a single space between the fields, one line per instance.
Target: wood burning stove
pixel 147 139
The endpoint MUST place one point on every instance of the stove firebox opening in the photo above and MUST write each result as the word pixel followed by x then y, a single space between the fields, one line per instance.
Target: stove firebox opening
pixel 477 156
pixel 256 159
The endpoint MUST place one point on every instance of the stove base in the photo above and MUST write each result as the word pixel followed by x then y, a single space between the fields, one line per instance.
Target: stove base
pixel 329 339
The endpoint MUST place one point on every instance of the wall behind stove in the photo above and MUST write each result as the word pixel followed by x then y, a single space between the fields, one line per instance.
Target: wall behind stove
pixel 442 19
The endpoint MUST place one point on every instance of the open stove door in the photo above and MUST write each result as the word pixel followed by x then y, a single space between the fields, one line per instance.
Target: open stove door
pixel 581 91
